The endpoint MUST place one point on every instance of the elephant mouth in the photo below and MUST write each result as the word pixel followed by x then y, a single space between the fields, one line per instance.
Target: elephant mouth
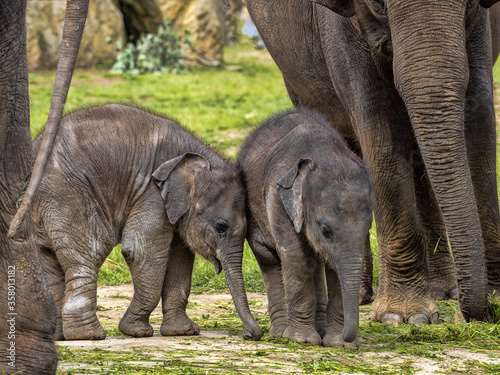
pixel 217 265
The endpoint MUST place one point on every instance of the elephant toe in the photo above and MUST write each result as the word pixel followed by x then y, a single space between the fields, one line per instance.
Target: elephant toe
pixel 393 319
pixel 404 308
pixel 302 335
pixel 418 319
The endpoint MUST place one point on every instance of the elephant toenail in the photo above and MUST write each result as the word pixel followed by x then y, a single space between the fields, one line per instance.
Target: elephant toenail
pixel 435 318
pixel 394 319
pixel 418 319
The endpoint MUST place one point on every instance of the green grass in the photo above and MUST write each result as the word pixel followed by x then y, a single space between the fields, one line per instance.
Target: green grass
pixel 219 105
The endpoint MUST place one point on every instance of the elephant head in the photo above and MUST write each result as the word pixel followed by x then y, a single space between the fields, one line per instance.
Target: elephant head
pixel 431 51
pixel 207 203
pixel 76 15
pixel 332 206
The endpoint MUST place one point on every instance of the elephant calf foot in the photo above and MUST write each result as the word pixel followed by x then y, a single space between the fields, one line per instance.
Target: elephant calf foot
pixel 179 327
pixel 92 331
pixel 302 335
pixel 335 340
pixel 404 310
pixel 135 325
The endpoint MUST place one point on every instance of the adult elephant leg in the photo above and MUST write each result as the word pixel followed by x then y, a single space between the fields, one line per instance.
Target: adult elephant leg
pixel 480 135
pixel 270 266
pixel 74 23
pixel 145 248
pixel 176 289
pixel 386 140
pixel 403 294
pixel 443 280
pixel 434 92
pixel 385 134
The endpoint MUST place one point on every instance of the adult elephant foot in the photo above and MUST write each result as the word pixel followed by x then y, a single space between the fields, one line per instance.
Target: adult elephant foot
pixel 335 340
pixel 404 309
pixel 135 325
pixel 180 326
pixel 90 331
pixel 305 335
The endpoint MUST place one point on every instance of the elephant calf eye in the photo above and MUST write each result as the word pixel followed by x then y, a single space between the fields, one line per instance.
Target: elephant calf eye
pixel 220 226
pixel 327 232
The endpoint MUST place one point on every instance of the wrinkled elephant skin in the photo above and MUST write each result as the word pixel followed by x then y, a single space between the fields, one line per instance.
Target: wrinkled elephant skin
pixel 27 309
pixel 309 199
pixel 119 174
pixel 409 85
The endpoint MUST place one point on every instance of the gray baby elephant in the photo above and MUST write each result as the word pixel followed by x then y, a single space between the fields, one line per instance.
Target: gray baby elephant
pixel 121 174
pixel 310 206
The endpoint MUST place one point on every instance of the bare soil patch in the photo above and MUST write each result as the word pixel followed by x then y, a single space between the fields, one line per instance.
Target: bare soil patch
pixel 222 351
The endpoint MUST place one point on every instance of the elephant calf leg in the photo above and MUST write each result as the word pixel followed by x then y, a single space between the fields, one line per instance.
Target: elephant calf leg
pixel 80 304
pixel 148 271
pixel 175 294
pixel 299 282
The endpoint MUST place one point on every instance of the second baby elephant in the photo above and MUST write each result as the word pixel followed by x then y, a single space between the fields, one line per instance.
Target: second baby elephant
pixel 121 174
pixel 310 206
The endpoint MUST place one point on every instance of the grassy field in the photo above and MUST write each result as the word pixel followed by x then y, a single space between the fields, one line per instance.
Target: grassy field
pixel 222 106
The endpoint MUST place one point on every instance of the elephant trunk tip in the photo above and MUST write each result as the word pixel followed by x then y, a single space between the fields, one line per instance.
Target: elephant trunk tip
pixel 349 335
pixel 252 333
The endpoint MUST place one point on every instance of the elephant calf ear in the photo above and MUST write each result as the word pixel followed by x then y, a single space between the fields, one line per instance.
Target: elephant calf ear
pixel 290 191
pixel 344 8
pixel 175 178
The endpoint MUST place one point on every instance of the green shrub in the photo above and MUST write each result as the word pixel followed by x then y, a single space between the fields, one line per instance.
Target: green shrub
pixel 161 52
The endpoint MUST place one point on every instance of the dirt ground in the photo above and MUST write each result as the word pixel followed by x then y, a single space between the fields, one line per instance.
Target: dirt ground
pixel 220 351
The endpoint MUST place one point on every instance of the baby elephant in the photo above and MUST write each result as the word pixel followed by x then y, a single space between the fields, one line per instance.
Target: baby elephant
pixel 310 206
pixel 121 174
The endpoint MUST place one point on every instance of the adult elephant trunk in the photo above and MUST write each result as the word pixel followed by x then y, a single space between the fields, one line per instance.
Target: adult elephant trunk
pixel 76 14
pixel 431 73
pixel 231 263
pixel 349 275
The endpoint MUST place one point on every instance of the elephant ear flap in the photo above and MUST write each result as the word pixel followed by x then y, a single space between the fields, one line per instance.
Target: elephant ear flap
pixel 345 8
pixel 290 191
pixel 487 3
pixel 175 178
